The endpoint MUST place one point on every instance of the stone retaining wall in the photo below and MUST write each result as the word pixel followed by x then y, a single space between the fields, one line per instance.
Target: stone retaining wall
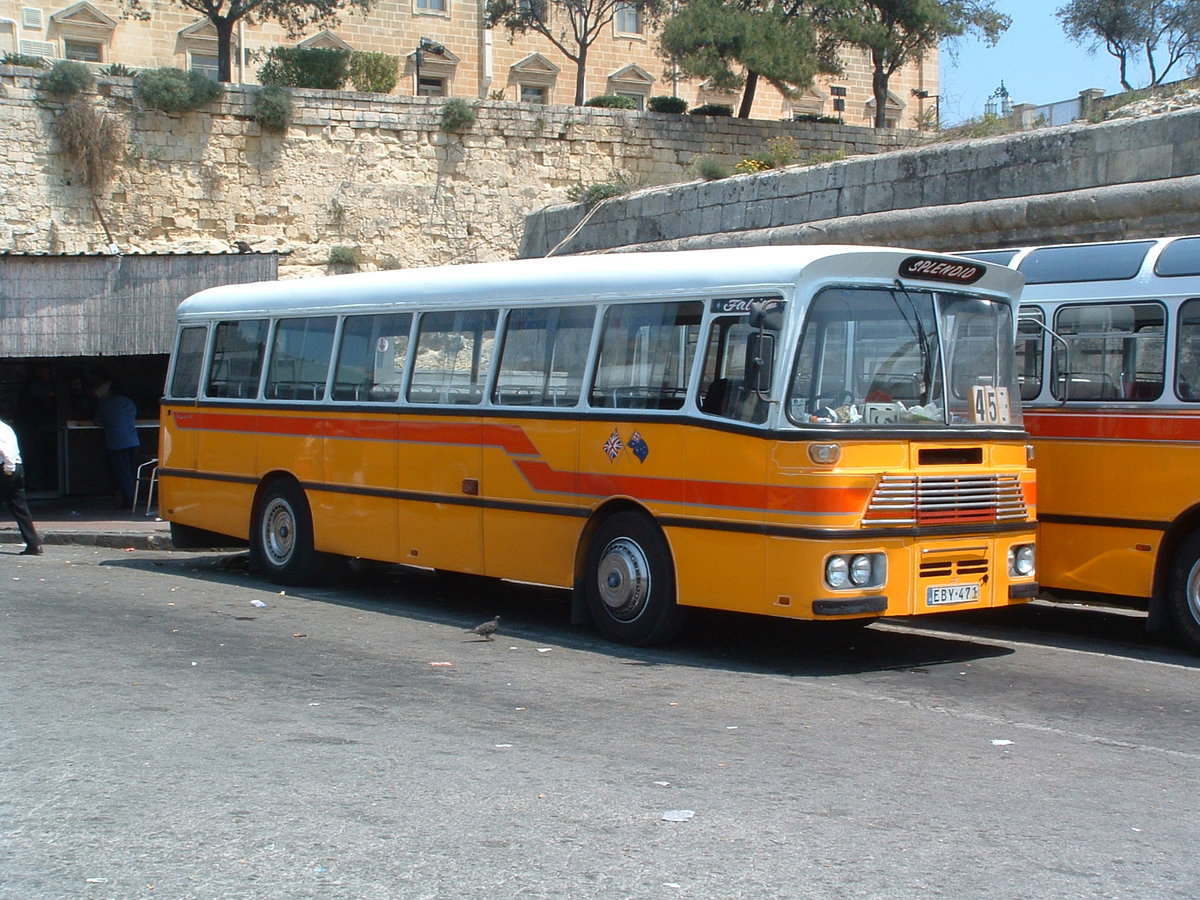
pixel 1125 178
pixel 368 171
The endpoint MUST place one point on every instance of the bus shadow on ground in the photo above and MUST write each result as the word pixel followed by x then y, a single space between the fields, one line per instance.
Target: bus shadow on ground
pixel 716 640
pixel 1108 630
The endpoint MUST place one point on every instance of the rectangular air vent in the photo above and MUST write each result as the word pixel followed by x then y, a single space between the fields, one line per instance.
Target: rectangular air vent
pixel 31 17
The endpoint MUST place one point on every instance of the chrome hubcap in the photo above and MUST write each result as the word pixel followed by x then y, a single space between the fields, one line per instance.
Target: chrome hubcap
pixel 279 531
pixel 624 579
pixel 1193 592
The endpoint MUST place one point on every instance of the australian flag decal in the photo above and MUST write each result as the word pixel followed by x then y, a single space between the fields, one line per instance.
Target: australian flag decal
pixel 639 446
pixel 613 446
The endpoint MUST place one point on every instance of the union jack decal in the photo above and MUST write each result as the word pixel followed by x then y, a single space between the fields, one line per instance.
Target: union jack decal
pixel 613 446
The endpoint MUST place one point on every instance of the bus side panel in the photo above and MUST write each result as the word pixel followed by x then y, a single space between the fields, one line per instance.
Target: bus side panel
pixel 719 561
pixel 533 463
pixel 357 514
pixel 224 443
pixel 1124 482
pixel 440 521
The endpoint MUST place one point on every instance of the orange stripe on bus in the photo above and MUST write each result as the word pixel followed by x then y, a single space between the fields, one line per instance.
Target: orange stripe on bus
pixel 509 437
pixel 767 498
pixel 1107 425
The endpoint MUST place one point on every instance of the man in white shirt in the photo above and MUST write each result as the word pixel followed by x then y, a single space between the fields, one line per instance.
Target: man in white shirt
pixel 12 489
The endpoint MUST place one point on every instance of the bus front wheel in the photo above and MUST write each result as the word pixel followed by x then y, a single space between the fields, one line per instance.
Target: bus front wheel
pixel 1185 593
pixel 630 582
pixel 281 543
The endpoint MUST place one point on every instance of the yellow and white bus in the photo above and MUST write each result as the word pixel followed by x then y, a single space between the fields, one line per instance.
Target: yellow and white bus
pixel 809 432
pixel 1109 363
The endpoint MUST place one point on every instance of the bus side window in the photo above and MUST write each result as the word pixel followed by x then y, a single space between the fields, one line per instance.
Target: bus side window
pixel 371 358
pixel 300 358
pixel 1030 347
pixel 1115 352
pixel 237 358
pixel 543 355
pixel 646 352
pixel 723 389
pixel 189 354
pixel 453 353
pixel 1187 359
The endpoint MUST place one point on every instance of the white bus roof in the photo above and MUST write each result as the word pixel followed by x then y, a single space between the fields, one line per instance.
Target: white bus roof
pixel 603 276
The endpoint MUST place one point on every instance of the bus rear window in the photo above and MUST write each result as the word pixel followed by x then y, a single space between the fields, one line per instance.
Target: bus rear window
pixel 1084 262
pixel 189 354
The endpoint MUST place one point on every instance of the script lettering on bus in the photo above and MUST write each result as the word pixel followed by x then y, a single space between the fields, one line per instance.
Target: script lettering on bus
pixel 941 270
pixel 741 305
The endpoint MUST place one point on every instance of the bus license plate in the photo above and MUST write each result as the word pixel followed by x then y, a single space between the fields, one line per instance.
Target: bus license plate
pixel 950 594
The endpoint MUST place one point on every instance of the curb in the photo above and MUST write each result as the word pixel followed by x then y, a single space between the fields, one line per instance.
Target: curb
pixel 112 540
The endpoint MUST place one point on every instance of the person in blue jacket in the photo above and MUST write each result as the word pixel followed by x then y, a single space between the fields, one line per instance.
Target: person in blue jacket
pixel 118 414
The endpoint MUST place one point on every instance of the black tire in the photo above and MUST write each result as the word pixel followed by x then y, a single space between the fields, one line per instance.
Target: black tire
pixel 629 582
pixel 1184 593
pixel 281 536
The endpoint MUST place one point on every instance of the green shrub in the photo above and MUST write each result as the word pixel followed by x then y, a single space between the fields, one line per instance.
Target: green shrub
pixel 388 263
pixel 22 59
pixel 174 90
pixel 91 140
pixel 666 104
pixel 118 70
pixel 713 109
pixel 306 67
pixel 710 168
pixel 457 115
pixel 273 108
pixel 67 78
pixel 591 194
pixel 612 101
pixel 343 256
pixel 374 73
pixel 814 117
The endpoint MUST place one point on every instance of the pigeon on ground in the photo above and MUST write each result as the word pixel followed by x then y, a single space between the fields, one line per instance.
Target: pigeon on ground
pixel 486 629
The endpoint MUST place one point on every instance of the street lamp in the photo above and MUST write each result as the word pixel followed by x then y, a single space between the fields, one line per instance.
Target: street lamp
pixel 923 95
pixel 426 45
pixel 1005 102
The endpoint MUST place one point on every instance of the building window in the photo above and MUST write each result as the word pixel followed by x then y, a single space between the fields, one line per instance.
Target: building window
pixel 204 64
pixel 83 51
pixel 431 87
pixel 533 94
pixel 628 19
pixel 639 99
pixel 433 7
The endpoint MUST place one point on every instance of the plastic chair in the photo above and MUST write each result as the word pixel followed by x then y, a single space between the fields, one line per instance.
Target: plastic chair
pixel 152 464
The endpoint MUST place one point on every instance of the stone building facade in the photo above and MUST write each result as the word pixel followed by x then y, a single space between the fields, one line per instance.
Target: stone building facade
pixel 475 62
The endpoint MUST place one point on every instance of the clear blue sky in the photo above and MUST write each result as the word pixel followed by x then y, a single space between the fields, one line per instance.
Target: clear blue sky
pixel 1034 58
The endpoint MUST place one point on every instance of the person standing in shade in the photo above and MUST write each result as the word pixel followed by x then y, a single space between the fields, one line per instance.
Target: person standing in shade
pixel 118 414
pixel 12 489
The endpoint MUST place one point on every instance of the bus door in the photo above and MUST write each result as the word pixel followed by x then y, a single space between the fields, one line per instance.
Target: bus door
pixel 439 464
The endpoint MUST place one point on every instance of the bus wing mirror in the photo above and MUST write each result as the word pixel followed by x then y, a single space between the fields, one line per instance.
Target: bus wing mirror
pixel 767 317
pixel 760 361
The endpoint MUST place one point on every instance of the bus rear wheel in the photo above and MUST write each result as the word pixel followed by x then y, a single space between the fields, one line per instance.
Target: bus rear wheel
pixel 1184 593
pixel 281 537
pixel 629 583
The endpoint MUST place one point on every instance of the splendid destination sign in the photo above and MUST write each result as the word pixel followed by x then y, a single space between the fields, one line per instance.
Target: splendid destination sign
pixel 931 269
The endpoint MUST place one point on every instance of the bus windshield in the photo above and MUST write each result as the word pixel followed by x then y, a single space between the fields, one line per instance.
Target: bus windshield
pixel 897 356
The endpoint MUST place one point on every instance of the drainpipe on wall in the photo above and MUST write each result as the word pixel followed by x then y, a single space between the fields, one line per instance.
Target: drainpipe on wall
pixel 241 52
pixel 16 33
pixel 486 62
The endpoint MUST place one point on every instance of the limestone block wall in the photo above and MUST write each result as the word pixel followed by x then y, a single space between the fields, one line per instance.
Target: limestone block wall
pixel 1125 178
pixel 375 173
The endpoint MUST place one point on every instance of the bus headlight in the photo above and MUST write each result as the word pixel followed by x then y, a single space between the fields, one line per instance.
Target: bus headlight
pixel 860 570
pixel 1021 560
pixel 837 572
pixel 851 571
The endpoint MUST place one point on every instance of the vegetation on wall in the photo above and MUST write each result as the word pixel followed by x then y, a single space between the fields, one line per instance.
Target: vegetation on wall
pixel 91 140
pixel 174 90
pixel 374 73
pixel 273 108
pixel 23 59
pixel 665 104
pixel 612 101
pixel 343 257
pixel 67 78
pixel 306 67
pixel 457 115
pixel 592 194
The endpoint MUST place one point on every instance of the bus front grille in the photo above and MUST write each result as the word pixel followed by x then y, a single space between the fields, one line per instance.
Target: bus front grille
pixel 946 499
